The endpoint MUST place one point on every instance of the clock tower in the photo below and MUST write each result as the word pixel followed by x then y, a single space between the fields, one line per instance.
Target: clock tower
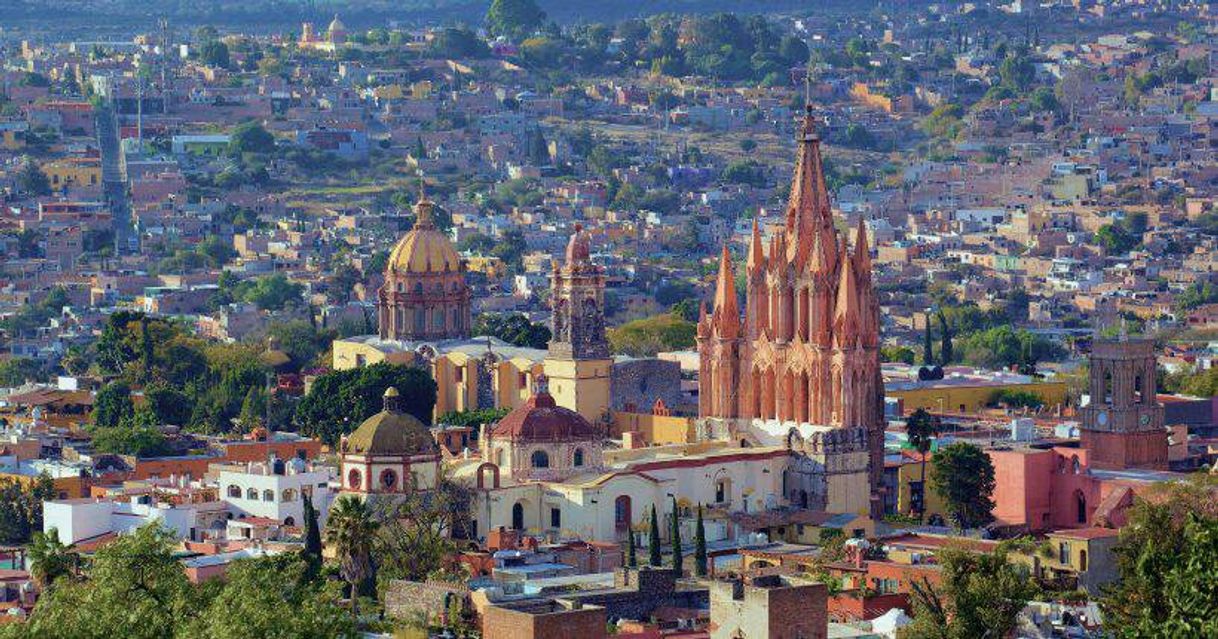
pixel 1123 424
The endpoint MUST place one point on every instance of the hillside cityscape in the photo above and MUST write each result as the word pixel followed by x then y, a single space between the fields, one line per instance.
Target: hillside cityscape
pixel 668 320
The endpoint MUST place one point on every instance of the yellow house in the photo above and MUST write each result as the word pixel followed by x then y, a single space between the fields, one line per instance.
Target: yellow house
pixel 468 372
pixel 967 397
pixel 73 487
pixel 655 429
pixel 12 135
pixel 910 493
pixel 1074 558
pixel 491 266
pixel 73 172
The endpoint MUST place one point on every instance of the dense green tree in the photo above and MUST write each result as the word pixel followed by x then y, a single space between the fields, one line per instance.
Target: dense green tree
pixel 946 354
pixel 653 540
pixel 902 354
pixel 978 595
pixel 632 559
pixel 214 53
pixel 169 404
pixel 646 337
pixel 21 508
pixel 963 476
pixel 32 181
pixel 928 351
pixel 301 607
pixel 513 328
pixel 251 137
pixel 1166 558
pixel 301 341
pixel 458 43
pixel 112 405
pixel 678 556
pixel 137 435
pixel 19 370
pixel 1004 347
pixel 514 18
pixel 339 401
pixel 311 552
pixel 700 565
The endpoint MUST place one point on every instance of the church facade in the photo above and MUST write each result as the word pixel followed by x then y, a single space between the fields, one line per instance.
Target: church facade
pixel 800 366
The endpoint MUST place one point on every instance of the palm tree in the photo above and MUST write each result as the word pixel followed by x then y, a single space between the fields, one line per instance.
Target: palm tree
pixel 350 530
pixel 922 427
pixel 49 559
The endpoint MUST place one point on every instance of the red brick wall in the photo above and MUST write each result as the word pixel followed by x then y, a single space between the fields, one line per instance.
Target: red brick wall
pixel 502 623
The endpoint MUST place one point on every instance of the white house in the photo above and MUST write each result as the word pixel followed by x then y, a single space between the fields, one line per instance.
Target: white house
pixel 274 489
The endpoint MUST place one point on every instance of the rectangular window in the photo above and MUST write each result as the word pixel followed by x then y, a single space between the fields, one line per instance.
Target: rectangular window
pixel 555 518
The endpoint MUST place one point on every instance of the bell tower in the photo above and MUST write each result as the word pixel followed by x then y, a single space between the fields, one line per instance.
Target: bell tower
pixel 579 364
pixel 1123 424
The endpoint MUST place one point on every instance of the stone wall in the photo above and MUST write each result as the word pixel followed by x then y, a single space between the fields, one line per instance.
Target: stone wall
pixel 637 384
pixel 409 599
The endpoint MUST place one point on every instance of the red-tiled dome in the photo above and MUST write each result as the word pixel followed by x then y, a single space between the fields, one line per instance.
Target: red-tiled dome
pixel 540 419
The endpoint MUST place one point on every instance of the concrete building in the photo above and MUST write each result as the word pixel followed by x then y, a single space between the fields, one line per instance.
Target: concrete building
pixel 769 607
pixel 275 489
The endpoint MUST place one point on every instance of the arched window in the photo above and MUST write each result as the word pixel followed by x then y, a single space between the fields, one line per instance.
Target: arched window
pixel 234 491
pixel 1138 391
pixel 1075 467
pixel 579 457
pixel 252 493
pixel 401 287
pixel 389 480
pixel 540 459
pixel 518 517
pixel 1108 387
pixel 418 288
pixel 354 479
pixel 289 494
pixel 268 495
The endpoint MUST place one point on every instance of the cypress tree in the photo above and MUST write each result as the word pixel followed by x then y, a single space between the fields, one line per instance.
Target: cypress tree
pixel 946 351
pixel 700 546
pixel 653 540
pixel 928 357
pixel 632 559
pixel 678 559
pixel 312 541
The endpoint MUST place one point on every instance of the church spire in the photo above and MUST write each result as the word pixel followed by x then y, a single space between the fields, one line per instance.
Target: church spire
pixel 756 251
pixel 846 315
pixel 808 211
pixel 862 251
pixel 727 310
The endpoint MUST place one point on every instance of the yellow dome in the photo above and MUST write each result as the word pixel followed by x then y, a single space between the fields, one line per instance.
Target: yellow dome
pixel 424 249
pixel 337 25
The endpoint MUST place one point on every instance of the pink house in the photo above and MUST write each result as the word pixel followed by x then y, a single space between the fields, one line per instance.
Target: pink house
pixel 1054 488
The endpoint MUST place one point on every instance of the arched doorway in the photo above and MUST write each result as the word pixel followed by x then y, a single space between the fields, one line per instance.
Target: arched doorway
pixel 622 516
pixel 518 517
pixel 1080 503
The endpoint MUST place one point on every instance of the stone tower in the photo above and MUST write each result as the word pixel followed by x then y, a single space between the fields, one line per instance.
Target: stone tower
pixel 804 355
pixel 579 365
pixel 1123 424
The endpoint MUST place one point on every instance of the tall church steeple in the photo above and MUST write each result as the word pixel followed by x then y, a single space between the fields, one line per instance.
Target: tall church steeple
pixel 579 365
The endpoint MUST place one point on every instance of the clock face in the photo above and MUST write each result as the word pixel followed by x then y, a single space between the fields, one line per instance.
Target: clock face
pixel 1145 419
pixel 1102 418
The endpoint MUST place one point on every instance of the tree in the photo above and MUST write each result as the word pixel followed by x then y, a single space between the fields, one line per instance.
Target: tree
pixel 979 595
pixel 339 401
pixel 700 546
pixel 513 328
pixel 351 530
pixel 21 508
pixel 49 558
pixel 922 428
pixel 964 477
pixel 678 557
pixel 214 53
pixel 311 552
pixel 136 435
pixel 136 577
pixel 251 137
pixel 653 540
pixel 1165 557
pixel 112 405
pixel 19 370
pixel 514 18
pixel 415 540
pixel 632 559
pixel 32 181
pixel 945 349
pixel 301 606
pixel 928 356
pixel 646 337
